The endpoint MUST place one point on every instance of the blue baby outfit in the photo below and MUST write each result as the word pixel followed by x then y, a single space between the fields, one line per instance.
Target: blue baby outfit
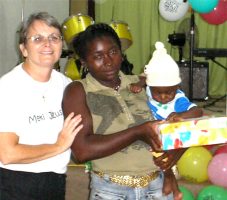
pixel 179 104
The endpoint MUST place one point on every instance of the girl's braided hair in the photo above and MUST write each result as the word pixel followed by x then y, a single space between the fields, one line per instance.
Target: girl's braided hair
pixel 83 39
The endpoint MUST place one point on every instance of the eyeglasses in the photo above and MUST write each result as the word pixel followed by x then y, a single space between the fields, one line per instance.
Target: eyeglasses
pixel 40 39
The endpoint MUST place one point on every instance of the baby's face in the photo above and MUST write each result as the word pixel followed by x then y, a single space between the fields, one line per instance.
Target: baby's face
pixel 163 94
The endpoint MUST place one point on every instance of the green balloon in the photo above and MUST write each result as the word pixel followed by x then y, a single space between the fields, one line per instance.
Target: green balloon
pixel 187 194
pixel 212 192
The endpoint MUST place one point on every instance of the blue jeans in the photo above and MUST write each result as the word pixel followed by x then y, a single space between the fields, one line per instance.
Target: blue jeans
pixel 103 188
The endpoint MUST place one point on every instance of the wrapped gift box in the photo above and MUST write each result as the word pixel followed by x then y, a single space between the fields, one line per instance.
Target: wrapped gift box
pixel 193 132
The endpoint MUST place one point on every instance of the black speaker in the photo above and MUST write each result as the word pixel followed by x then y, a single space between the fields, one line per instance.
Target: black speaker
pixel 199 80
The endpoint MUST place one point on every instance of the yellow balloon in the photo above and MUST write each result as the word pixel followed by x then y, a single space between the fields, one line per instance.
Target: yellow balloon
pixel 193 164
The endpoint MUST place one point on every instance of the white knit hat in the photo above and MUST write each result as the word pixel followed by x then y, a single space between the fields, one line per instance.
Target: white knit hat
pixel 162 70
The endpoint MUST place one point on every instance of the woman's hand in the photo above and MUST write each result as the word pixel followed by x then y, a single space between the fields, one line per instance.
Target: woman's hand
pixel 150 134
pixel 169 158
pixel 72 125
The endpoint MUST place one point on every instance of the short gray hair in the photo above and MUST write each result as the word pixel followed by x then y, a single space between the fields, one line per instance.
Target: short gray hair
pixel 42 16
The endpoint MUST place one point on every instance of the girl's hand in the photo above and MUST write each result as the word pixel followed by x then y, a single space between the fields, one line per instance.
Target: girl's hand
pixel 168 158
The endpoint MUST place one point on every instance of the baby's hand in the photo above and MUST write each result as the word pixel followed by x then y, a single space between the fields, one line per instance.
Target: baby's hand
pixel 135 88
pixel 174 117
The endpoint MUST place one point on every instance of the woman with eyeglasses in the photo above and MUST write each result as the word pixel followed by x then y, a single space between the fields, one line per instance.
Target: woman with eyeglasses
pixel 34 137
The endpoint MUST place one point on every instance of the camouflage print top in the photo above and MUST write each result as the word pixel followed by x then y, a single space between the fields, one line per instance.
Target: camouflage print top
pixel 113 111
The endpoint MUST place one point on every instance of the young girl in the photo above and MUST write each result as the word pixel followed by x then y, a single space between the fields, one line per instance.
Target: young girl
pixel 118 128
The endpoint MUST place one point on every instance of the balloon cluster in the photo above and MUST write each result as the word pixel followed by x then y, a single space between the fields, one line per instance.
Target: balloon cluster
pixel 200 164
pixel 212 11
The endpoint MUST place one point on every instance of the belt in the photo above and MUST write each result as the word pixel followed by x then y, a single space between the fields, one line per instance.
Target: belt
pixel 130 181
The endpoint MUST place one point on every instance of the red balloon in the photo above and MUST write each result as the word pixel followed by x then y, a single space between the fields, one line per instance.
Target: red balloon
pixel 221 149
pixel 218 15
pixel 209 147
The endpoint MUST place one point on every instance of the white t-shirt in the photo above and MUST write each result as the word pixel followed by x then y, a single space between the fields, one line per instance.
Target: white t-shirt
pixel 32 110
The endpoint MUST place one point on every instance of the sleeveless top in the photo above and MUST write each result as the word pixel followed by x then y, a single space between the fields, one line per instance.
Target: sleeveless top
pixel 113 111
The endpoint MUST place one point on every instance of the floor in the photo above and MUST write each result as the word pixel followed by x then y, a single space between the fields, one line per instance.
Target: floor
pixel 78 180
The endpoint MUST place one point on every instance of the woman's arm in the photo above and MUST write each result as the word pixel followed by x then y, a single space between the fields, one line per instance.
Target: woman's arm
pixel 12 152
pixel 89 146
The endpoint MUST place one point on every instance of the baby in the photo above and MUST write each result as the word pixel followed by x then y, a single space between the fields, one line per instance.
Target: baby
pixel 165 100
